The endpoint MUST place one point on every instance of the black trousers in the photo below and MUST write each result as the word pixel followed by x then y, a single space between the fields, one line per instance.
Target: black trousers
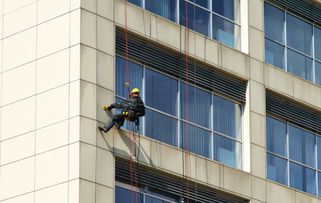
pixel 116 119
pixel 119 119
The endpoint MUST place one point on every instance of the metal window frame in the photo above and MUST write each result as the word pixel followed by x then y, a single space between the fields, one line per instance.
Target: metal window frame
pixel 211 13
pixel 287 120
pixel 148 177
pixel 178 116
pixel 281 5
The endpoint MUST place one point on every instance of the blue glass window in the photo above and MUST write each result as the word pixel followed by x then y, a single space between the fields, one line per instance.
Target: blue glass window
pixel 301 159
pixel 300 65
pixel 165 8
pixel 135 74
pixel 124 195
pixel 159 87
pixel 198 140
pixel 136 2
pixel 150 199
pixel 274 23
pixel 302 39
pixel 227 151
pixel 318 72
pixel 276 136
pixel 319 151
pixel 225 8
pixel 224 31
pixel 204 3
pixel 277 169
pixel 317 43
pixel 199 105
pixel 302 146
pixel 161 127
pixel 302 178
pixel 198 18
pixel 163 122
pixel 227 117
pixel 319 181
pixel 274 53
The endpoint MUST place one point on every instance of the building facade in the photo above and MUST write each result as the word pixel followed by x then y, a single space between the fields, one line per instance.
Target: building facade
pixel 231 88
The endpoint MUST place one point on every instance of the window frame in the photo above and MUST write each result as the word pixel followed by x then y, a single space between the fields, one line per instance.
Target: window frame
pixel 181 121
pixel 141 191
pixel 289 160
pixel 287 47
pixel 237 23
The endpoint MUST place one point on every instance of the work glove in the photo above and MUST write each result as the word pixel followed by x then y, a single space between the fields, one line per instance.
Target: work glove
pixel 106 108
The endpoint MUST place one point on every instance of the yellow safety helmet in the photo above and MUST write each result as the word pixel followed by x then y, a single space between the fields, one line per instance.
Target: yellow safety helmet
pixel 135 91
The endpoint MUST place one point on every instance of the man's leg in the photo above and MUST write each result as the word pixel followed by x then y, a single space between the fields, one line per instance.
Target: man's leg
pixel 115 120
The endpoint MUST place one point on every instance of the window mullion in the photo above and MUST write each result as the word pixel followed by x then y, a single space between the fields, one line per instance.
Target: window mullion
pixel 316 165
pixel 211 21
pixel 144 96
pixel 177 11
pixel 179 114
pixel 288 152
pixel 313 56
pixel 285 43
pixel 212 127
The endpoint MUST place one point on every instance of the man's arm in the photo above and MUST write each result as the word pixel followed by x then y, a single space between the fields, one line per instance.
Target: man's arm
pixel 112 106
pixel 115 105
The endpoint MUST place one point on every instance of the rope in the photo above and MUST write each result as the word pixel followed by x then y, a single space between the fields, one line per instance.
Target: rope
pixel 128 94
pixel 132 155
pixel 186 166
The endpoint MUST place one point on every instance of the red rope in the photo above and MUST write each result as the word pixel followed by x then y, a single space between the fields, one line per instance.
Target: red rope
pixel 186 102
pixel 128 122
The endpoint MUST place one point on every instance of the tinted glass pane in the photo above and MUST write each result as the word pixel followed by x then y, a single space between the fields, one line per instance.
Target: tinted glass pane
pixel 302 39
pixel 277 169
pixel 198 140
pixel 224 31
pixel 124 195
pixel 135 74
pixel 149 199
pixel 300 65
pixel 227 8
pixel 318 72
pixel 276 136
pixel 274 53
pixel 227 151
pixel 199 105
pixel 198 18
pixel 274 23
pixel 227 117
pixel 161 92
pixel 319 181
pixel 319 151
pixel 302 178
pixel 161 127
pixel 204 3
pixel 317 43
pixel 165 8
pixel 136 2
pixel 302 146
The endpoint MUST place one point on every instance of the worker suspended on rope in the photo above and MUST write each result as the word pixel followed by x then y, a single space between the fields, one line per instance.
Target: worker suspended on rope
pixel 131 109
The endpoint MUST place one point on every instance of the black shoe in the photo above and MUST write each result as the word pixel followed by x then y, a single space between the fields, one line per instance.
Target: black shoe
pixel 117 126
pixel 102 129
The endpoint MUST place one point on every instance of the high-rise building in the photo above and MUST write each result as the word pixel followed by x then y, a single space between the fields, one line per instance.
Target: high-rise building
pixel 231 88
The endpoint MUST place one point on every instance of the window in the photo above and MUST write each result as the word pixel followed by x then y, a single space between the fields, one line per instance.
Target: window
pixel 213 122
pixel 218 19
pixel 297 53
pixel 127 193
pixel 292 155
